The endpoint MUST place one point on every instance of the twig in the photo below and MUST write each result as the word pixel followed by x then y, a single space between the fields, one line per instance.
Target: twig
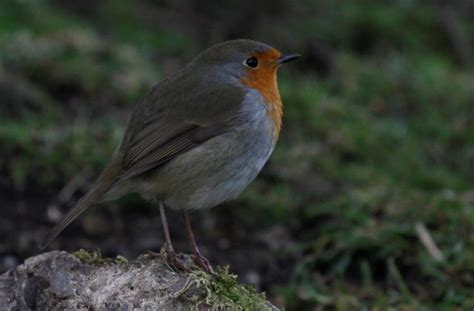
pixel 458 36
pixel 67 192
pixel 73 184
pixel 428 242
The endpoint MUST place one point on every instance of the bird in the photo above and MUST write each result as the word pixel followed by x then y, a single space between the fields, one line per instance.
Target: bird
pixel 196 139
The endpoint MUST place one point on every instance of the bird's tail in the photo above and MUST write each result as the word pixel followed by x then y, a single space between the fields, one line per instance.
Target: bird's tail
pixel 101 186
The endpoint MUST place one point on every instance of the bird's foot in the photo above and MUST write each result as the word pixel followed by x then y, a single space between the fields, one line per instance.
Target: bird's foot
pixel 172 259
pixel 202 262
pixel 177 264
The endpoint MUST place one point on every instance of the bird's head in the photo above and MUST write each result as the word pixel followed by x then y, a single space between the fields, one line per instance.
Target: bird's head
pixel 252 63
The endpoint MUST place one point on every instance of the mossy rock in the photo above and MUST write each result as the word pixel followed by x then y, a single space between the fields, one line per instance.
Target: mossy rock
pixel 86 280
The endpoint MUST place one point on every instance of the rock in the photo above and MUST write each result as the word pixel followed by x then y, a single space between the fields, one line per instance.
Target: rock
pixel 86 281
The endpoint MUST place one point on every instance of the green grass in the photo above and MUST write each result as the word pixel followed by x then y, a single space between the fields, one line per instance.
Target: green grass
pixel 397 134
pixel 389 134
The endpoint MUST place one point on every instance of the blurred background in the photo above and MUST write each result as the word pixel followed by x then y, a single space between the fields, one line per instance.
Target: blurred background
pixel 367 201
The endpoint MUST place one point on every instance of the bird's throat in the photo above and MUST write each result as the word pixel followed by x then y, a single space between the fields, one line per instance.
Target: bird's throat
pixel 265 81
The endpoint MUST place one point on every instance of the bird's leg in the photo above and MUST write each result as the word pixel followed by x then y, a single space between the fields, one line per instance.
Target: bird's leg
pixel 170 253
pixel 198 259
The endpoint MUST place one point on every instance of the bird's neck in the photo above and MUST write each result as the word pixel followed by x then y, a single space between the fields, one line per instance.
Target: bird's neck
pixel 266 83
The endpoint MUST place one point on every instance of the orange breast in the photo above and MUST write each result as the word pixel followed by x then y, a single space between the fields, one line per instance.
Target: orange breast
pixel 264 79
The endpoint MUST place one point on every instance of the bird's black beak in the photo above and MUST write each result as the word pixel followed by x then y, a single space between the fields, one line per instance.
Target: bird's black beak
pixel 285 58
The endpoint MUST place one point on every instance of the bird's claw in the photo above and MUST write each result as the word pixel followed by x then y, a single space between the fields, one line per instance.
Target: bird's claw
pixel 177 264
pixel 173 260
pixel 202 262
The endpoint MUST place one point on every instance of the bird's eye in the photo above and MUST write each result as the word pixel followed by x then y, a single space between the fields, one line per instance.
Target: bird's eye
pixel 251 62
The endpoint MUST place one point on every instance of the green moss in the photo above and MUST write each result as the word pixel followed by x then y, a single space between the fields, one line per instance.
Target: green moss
pixel 95 258
pixel 91 258
pixel 120 260
pixel 224 292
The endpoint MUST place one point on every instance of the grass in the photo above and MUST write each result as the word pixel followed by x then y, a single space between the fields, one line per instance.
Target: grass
pixel 387 138
pixel 395 133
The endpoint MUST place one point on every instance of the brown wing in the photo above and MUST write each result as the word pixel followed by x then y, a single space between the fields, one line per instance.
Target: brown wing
pixel 175 125
pixel 154 154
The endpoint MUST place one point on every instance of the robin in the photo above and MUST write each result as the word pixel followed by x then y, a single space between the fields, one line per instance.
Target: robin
pixel 197 138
